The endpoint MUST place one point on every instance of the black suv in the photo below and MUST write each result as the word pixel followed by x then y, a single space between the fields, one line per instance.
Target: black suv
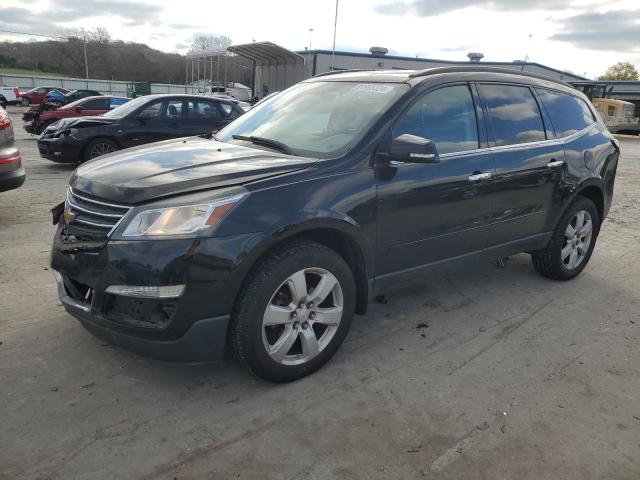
pixel 143 120
pixel 269 236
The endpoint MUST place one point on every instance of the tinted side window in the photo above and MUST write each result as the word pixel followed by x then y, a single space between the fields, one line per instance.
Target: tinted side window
pixel 446 116
pixel 152 110
pixel 568 114
pixel 96 105
pixel 203 110
pixel 514 114
pixel 174 109
pixel 226 108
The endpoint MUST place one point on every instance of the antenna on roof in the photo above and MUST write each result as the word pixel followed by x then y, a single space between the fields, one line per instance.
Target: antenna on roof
pixel 335 28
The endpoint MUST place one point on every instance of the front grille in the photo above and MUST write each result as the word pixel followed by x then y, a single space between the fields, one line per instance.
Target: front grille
pixel 90 218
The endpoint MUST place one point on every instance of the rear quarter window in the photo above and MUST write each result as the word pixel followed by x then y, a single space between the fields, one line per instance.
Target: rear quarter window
pixel 568 114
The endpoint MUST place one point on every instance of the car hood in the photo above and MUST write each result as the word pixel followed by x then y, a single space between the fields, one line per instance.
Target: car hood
pixel 80 122
pixel 172 167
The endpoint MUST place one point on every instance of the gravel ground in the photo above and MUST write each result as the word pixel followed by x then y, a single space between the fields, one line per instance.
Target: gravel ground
pixel 515 377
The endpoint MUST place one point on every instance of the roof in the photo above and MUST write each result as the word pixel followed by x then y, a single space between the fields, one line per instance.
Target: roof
pixel 415 76
pixel 445 62
pixel 267 53
pixel 210 52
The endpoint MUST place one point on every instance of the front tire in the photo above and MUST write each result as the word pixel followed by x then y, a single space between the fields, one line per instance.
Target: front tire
pixel 572 243
pixel 293 312
pixel 99 147
pixel 25 102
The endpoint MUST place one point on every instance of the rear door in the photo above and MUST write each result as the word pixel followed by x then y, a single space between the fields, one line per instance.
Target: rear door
pixel 204 116
pixel 528 163
pixel 573 123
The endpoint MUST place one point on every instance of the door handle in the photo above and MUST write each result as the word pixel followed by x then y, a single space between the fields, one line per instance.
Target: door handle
pixel 477 177
pixel 555 163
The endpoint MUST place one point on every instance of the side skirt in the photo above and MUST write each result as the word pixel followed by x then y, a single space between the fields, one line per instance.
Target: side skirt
pixel 384 282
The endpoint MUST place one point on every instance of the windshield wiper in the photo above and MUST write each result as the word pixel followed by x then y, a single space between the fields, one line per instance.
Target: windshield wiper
pixel 267 142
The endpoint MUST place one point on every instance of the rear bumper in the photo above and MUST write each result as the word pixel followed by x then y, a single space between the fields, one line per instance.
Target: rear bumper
pixel 11 180
pixel 204 341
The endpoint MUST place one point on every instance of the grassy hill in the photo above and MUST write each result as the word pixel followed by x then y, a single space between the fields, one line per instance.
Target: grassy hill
pixel 24 71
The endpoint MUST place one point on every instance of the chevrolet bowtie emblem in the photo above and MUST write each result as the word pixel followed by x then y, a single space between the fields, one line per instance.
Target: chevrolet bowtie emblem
pixel 68 215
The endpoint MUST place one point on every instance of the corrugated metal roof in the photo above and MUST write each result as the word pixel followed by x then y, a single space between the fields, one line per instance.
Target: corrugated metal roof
pixel 267 53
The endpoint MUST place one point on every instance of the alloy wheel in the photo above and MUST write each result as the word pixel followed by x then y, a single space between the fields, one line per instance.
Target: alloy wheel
pixel 302 316
pixel 100 149
pixel 577 240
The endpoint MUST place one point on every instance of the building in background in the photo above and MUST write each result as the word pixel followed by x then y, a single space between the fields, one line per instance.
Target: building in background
pixel 276 68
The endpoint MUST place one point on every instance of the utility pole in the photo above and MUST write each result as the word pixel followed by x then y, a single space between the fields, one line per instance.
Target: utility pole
pixel 335 28
pixel 86 63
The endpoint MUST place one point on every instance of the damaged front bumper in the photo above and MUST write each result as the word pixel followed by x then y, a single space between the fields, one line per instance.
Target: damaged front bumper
pixel 65 149
pixel 168 299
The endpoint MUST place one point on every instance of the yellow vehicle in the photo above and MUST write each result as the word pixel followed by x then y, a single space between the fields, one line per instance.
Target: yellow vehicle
pixel 619 116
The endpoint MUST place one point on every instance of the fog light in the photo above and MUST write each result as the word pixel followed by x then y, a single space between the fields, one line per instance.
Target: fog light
pixel 169 291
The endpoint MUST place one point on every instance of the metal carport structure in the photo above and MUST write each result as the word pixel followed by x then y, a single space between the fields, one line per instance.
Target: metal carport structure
pixel 274 67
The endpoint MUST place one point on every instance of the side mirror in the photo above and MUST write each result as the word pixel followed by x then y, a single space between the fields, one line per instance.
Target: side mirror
pixel 413 149
pixel 142 120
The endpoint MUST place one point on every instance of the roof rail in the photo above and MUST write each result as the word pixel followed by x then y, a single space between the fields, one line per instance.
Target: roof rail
pixel 335 72
pixel 476 68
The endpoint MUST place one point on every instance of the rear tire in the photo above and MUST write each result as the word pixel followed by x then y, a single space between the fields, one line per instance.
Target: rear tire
pixel 277 331
pixel 98 147
pixel 3 102
pixel 572 243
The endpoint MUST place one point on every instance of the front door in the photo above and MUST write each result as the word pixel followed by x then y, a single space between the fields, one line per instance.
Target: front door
pixel 431 212
pixel 529 163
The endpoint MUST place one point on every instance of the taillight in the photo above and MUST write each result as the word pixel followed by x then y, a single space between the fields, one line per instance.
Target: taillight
pixel 5 122
pixel 17 92
pixel 14 159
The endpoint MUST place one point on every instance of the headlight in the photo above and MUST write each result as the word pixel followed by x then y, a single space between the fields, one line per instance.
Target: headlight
pixel 180 220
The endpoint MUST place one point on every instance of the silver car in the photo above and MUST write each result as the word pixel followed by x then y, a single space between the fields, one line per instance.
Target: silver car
pixel 12 173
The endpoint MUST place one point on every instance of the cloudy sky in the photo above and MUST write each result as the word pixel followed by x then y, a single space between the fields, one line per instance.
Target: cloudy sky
pixel 584 36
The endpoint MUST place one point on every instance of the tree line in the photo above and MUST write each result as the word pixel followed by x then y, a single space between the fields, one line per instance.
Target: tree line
pixel 110 59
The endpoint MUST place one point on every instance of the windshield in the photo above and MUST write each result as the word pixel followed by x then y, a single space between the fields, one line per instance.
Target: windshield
pixel 124 110
pixel 316 119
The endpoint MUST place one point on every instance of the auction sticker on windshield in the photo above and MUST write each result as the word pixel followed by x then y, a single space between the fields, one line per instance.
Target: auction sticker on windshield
pixel 372 88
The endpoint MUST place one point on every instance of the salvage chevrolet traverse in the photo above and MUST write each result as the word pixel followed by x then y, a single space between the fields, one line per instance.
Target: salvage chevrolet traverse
pixel 269 236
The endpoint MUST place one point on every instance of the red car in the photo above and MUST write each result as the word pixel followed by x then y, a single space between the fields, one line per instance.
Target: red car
pixel 36 95
pixel 89 106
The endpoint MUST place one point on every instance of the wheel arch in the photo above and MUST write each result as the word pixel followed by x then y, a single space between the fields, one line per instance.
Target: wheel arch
pixel 99 137
pixel 340 236
pixel 594 192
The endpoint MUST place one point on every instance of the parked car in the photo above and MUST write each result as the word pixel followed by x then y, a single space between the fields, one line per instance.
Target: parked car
pixel 9 95
pixel 143 120
pixel 37 95
pixel 276 231
pixel 12 174
pixel 60 98
pixel 89 106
